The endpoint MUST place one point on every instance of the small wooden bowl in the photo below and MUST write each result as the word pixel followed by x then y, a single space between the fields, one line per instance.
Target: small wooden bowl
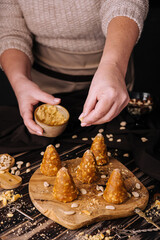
pixel 141 103
pixel 53 130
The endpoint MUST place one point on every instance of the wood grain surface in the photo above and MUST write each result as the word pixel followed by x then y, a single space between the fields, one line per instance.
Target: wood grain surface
pixel 7 180
pixel 91 207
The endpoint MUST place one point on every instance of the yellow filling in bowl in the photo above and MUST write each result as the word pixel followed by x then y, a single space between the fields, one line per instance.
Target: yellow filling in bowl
pixel 50 115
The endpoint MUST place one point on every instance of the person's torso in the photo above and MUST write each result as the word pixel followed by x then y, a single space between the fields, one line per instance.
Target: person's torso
pixel 65 24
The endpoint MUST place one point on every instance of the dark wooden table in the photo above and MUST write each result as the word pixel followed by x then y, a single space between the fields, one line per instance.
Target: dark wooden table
pixel 40 227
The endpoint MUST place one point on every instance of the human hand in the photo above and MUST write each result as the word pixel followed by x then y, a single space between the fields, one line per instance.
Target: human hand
pixel 29 94
pixel 107 96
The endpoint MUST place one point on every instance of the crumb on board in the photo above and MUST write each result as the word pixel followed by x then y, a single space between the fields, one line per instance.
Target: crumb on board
pixel 138 186
pixel 83 191
pixel 46 184
pixel 86 212
pixel 135 194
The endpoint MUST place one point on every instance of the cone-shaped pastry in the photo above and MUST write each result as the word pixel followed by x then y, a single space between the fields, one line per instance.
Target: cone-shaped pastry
pixel 99 150
pixel 51 162
pixel 86 171
pixel 115 191
pixel 64 189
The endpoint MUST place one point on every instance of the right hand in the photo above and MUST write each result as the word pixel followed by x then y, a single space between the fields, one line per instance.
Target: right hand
pixel 29 94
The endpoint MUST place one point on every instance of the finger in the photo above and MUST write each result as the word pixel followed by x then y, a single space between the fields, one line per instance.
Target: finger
pixel 89 105
pixel 101 109
pixel 112 113
pixel 33 132
pixel 48 98
pixel 30 123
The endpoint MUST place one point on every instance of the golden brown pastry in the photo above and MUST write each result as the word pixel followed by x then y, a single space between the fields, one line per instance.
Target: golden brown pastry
pixel 64 189
pixel 99 150
pixel 86 171
pixel 51 162
pixel 115 191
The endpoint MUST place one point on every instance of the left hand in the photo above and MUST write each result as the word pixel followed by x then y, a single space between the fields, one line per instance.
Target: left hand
pixel 107 95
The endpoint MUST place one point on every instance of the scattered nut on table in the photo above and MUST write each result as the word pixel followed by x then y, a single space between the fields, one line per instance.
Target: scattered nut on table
pixel 101 130
pixel 17 173
pixel 123 123
pixel 9 215
pixel 19 162
pixel 28 164
pixel 74 136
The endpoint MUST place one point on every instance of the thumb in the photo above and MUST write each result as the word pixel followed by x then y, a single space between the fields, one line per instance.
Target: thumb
pixel 88 107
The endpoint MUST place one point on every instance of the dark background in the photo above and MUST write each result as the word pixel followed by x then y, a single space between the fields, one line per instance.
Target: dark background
pixel 146 59
pixel 147 53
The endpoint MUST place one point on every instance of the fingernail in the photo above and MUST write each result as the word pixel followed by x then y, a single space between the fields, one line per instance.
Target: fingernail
pixel 39 133
pixel 83 115
pixel 80 116
pixel 83 124
pixel 57 100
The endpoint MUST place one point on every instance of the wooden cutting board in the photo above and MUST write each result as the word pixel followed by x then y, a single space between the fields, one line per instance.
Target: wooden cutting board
pixel 89 203
pixel 7 180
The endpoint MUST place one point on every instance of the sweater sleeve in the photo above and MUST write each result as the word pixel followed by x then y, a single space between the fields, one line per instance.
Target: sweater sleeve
pixel 136 10
pixel 14 33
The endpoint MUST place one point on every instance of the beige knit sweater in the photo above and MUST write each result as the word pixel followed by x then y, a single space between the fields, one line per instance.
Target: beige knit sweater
pixel 72 25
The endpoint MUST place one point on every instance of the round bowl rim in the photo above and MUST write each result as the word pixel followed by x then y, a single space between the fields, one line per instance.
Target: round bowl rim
pixel 51 126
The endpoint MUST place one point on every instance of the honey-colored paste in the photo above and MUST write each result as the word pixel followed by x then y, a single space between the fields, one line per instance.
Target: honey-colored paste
pixel 50 115
pixel 99 150
pixel 51 162
pixel 86 171
pixel 115 191
pixel 64 189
